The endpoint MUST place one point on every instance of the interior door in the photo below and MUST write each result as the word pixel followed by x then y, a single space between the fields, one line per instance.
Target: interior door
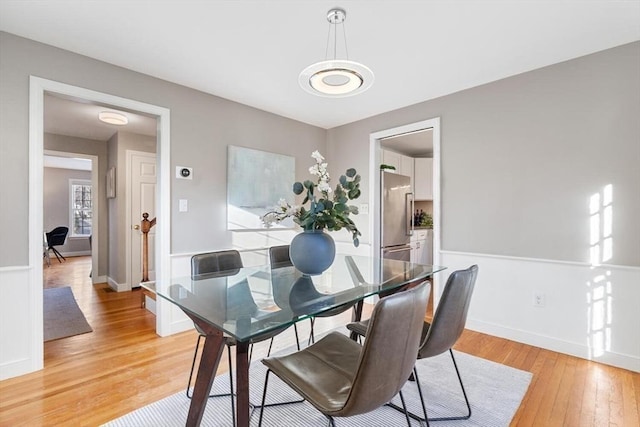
pixel 143 176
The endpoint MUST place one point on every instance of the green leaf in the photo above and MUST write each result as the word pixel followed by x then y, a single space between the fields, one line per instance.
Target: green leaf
pixel 298 188
pixel 351 172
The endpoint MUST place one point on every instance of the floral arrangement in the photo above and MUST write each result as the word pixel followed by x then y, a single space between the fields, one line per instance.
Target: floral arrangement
pixel 327 208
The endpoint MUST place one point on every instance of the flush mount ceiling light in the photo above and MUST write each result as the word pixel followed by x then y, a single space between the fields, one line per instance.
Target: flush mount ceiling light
pixel 336 78
pixel 113 118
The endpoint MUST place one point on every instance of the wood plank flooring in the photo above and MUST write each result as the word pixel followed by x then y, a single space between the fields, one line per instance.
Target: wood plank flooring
pixel 92 378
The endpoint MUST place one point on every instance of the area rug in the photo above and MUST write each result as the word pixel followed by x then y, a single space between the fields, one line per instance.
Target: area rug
pixel 62 316
pixel 495 392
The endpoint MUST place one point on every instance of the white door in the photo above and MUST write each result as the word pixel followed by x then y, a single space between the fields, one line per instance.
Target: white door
pixel 142 186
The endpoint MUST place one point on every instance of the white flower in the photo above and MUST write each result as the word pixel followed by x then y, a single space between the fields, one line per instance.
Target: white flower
pixel 313 170
pixel 269 219
pixel 283 204
pixel 324 187
pixel 316 155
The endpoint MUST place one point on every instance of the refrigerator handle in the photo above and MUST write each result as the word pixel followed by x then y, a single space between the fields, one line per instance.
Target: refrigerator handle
pixel 409 213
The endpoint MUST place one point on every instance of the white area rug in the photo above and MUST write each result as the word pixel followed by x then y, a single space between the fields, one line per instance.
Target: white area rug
pixel 495 392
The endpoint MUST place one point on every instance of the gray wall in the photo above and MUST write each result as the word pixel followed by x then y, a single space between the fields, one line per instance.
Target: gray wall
pixel 522 156
pixel 202 126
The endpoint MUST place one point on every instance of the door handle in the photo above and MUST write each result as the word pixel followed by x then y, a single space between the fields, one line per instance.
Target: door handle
pixel 136 227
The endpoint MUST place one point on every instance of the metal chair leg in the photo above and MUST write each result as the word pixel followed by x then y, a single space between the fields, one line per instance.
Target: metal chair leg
pixel 404 407
pixel 264 396
pixel 425 419
pixel 193 364
pixel 464 393
pixel 312 338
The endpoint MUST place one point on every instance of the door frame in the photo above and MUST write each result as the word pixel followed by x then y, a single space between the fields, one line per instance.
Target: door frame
pixel 37 88
pixel 95 237
pixel 375 156
pixel 128 221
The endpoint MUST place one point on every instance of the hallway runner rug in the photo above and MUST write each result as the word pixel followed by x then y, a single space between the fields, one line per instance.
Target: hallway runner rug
pixel 62 316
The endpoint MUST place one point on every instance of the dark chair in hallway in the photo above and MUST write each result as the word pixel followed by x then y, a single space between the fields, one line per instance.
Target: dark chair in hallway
pixel 57 237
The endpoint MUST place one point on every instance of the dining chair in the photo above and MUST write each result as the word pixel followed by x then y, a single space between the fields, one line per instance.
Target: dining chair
pixel 57 237
pixel 279 257
pixel 444 330
pixel 342 378
pixel 223 264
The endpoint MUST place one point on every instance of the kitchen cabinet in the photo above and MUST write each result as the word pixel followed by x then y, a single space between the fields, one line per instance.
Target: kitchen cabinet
pixel 423 178
pixel 404 164
pixel 421 249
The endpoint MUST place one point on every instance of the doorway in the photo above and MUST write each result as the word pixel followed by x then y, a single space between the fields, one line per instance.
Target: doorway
pixel 74 162
pixel 375 156
pixel 38 88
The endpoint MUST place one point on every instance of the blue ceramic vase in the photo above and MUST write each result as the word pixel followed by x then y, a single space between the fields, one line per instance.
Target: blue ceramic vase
pixel 312 251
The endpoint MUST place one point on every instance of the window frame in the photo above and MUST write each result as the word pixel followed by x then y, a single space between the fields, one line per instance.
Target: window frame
pixel 79 182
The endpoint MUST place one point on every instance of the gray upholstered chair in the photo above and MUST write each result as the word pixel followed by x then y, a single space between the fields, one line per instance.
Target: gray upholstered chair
pixel 444 330
pixel 278 258
pixel 342 378
pixel 222 264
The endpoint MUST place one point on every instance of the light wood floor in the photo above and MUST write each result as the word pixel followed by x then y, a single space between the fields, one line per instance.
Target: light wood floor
pixel 122 365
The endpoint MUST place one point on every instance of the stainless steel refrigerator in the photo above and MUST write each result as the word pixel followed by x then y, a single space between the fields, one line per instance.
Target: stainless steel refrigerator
pixel 395 216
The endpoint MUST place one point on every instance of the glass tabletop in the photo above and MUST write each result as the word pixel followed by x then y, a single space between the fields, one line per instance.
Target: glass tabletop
pixel 248 302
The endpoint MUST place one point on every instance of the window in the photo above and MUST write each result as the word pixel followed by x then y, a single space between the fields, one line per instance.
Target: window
pixel 81 208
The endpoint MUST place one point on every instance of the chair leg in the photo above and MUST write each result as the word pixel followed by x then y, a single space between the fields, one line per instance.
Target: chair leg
pixel 233 404
pixel 57 254
pixel 264 396
pixel 312 338
pixel 295 331
pixel 331 422
pixel 424 409
pixel 193 365
pixel 404 407
pixel 464 393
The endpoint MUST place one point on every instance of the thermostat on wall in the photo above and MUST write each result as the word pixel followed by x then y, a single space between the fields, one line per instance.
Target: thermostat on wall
pixel 184 172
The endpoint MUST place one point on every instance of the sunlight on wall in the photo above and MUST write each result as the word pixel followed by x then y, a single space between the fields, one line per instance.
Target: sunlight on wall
pixel 601 226
pixel 599 289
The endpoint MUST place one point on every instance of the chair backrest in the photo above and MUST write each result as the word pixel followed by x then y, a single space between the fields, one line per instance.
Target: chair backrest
pixel 451 314
pixel 215 262
pixel 57 236
pixel 390 350
pixel 279 256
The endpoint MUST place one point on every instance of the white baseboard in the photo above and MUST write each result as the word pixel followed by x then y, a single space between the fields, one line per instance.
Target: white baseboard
pixel 624 361
pixel 118 287
pixel 99 279
pixel 72 254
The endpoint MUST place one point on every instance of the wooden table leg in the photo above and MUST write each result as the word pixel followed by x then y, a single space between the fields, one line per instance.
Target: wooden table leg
pixel 242 384
pixel 211 353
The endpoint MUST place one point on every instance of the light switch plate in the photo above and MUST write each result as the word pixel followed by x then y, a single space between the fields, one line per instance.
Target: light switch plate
pixel 183 205
pixel 363 209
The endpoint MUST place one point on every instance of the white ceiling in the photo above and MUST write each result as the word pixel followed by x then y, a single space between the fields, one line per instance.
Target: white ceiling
pixel 252 51
pixel 80 119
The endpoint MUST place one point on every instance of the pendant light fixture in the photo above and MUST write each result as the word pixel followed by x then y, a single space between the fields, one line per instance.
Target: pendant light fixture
pixel 335 77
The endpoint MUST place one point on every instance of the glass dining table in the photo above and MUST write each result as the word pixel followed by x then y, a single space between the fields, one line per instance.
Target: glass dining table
pixel 246 303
